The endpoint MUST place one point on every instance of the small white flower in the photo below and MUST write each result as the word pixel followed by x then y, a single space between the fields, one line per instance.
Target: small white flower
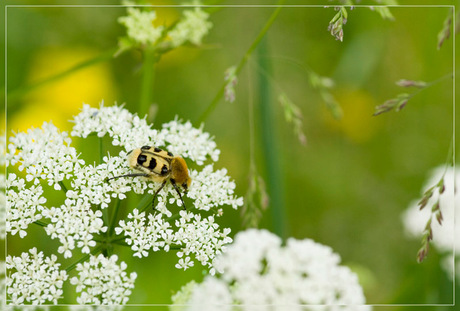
pixel 191 28
pixel 37 279
pixel 184 263
pixel 23 205
pixel 103 281
pixel 139 26
pixel 256 270
pixel 73 223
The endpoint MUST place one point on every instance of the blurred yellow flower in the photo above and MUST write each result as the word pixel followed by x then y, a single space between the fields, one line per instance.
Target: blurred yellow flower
pixel 59 100
pixel 357 122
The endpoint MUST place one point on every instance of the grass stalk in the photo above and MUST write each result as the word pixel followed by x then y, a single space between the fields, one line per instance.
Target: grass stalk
pixel 270 145
pixel 148 74
pixel 242 62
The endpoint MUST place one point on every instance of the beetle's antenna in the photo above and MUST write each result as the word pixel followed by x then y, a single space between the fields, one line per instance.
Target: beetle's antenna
pixel 129 175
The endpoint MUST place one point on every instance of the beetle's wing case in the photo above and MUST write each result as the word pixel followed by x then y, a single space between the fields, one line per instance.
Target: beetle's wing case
pixel 155 164
pixel 158 152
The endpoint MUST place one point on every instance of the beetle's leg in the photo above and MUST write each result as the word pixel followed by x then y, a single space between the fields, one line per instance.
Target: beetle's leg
pixel 173 182
pixel 156 193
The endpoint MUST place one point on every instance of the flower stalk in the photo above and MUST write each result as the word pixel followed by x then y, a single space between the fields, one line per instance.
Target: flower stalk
pixel 220 94
pixel 401 100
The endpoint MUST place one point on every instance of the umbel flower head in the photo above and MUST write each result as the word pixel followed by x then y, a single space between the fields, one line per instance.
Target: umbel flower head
pixel 103 281
pixel 44 161
pixel 257 271
pixel 141 31
pixel 35 278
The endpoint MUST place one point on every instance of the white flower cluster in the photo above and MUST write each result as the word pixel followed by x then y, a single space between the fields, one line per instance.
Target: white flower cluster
pixel 130 131
pixel 216 189
pixel 37 278
pixel 209 191
pixel 74 223
pixel 146 234
pixel 78 222
pixel 199 236
pixel 24 205
pixel 444 235
pixel 257 271
pixel 44 154
pixel 103 281
pixel 182 138
pixel 125 128
pixel 139 26
pixel 191 28
pixel 193 234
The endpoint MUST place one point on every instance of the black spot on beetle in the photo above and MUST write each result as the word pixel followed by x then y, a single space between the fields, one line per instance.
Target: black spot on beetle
pixel 164 170
pixel 145 147
pixel 157 149
pixel 170 154
pixel 153 163
pixel 141 159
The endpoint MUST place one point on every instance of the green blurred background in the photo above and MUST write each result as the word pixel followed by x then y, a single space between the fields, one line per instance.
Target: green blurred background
pixel 346 188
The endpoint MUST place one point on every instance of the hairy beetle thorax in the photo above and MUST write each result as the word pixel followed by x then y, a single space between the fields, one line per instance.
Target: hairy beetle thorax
pixel 179 172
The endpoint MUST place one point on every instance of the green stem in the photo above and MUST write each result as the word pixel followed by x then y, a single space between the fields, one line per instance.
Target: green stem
pixel 429 84
pixel 120 242
pixel 84 258
pixel 63 187
pixel 41 223
pixel 242 62
pixel 20 91
pixel 148 73
pixel 101 150
pixel 270 146
pixel 176 247
pixel 114 217
pixel 99 239
pixel 117 240
pixel 145 203
pixel 105 218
